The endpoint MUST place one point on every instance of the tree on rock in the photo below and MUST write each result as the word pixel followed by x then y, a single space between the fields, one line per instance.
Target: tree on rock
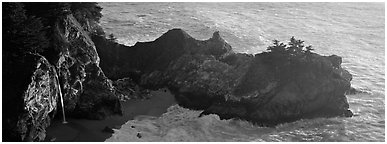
pixel 294 48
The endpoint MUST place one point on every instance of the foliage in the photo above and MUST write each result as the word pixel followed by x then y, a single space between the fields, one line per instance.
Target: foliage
pixel 22 33
pixel 49 12
pixel 294 48
pixel 86 10
pixel 29 27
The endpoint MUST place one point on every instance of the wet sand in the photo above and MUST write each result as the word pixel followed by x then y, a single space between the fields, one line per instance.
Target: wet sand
pixel 82 130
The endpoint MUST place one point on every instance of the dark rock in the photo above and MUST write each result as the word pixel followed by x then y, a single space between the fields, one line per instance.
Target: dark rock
pixel 265 88
pixel 348 113
pixel 87 91
pixel 32 84
pixel 127 89
pixel 199 80
pixel 353 91
pixel 139 135
pixel 335 60
pixel 49 138
pixel 121 61
pixel 108 129
pixel 272 94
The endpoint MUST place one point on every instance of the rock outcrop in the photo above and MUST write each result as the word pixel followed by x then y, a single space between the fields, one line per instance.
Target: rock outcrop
pixel 120 61
pixel 270 94
pixel 32 85
pixel 30 96
pixel 87 91
pixel 209 76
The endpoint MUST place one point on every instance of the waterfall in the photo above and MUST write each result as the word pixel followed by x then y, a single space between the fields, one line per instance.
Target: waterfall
pixel 61 100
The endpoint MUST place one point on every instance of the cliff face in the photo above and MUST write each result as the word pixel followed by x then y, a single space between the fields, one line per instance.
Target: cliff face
pixel 32 85
pixel 87 92
pixel 29 107
pixel 208 75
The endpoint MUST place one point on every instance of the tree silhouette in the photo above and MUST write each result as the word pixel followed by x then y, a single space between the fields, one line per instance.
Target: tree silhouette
pixel 294 48
pixel 309 49
pixel 277 47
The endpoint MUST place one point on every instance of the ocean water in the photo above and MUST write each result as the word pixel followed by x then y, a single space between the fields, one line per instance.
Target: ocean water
pixel 354 31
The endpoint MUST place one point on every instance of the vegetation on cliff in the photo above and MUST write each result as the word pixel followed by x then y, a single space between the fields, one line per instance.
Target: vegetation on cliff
pixel 28 27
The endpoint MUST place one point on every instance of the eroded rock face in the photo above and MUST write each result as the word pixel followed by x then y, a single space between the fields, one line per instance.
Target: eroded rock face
pixel 32 84
pixel 208 75
pixel 86 90
pixel 30 113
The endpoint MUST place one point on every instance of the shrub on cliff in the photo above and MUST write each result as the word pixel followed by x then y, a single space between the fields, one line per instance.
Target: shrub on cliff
pixel 86 11
pixel 294 51
pixel 294 48
pixel 50 11
pixel 29 27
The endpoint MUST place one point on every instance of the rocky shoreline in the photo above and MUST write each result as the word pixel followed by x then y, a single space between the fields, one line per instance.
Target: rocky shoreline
pixel 85 130
pixel 94 73
pixel 207 75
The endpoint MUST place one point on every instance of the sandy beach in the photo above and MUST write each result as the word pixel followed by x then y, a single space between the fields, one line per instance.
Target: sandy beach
pixel 82 130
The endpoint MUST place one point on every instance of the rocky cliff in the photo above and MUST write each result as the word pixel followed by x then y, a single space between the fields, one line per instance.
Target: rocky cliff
pixel 87 91
pixel 264 88
pixel 206 75
pixel 32 85
pixel 30 96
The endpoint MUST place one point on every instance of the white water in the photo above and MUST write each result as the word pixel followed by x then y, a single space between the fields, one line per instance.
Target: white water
pixel 354 31
pixel 61 101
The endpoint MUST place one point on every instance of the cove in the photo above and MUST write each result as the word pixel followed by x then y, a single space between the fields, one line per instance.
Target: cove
pixel 83 130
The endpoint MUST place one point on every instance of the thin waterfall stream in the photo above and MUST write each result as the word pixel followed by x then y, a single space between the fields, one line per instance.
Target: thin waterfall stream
pixel 61 101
